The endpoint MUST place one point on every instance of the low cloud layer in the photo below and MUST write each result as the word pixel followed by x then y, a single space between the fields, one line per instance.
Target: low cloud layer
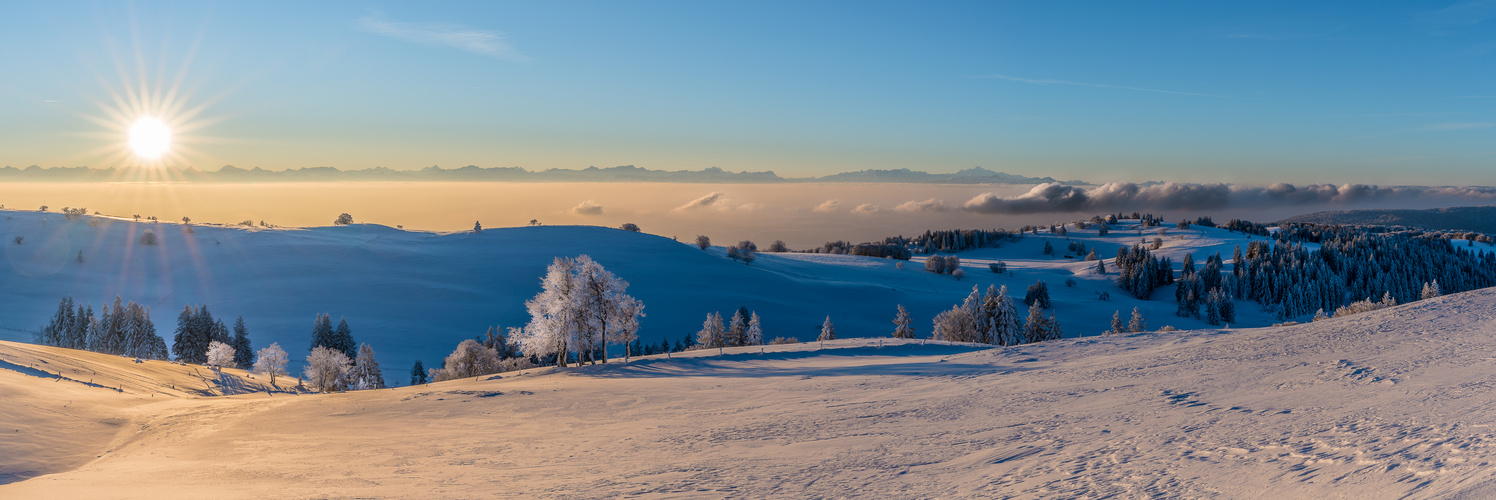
pixel 930 205
pixel 1170 196
pixel 588 207
pixel 828 206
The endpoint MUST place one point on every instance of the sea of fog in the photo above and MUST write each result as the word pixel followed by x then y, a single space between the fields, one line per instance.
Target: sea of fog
pixel 803 215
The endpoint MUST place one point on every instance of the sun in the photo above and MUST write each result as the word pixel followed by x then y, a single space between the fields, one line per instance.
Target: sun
pixel 150 138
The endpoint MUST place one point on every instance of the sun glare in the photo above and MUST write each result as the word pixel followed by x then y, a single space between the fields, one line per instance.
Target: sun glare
pixel 150 138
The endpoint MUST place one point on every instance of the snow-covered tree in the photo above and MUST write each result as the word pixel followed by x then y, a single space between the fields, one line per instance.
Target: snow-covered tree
pixel 1136 324
pixel 737 329
pixel 365 373
pixel 703 242
pixel 901 329
pixel 755 330
pixel 955 325
pixel 1005 325
pixel 271 362
pixel 327 369
pixel 1037 294
pixel 477 227
pixel 581 307
pixel 1430 290
pixel 712 334
pixel 828 330
pixel 1117 326
pixel 470 359
pixel 220 355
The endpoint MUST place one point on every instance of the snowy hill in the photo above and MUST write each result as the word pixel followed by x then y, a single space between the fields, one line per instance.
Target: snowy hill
pixel 415 295
pixel 1388 404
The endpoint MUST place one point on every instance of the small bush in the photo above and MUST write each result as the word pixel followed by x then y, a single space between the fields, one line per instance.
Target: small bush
pixel 19 239
pixel 630 227
pixel 1167 328
pixel 148 237
pixel 783 340
pixel 998 267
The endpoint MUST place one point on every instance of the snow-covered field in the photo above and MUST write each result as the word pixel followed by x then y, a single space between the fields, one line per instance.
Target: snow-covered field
pixel 1388 404
pixel 415 295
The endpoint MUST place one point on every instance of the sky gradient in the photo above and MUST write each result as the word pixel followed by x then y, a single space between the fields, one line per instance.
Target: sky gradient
pixel 1101 91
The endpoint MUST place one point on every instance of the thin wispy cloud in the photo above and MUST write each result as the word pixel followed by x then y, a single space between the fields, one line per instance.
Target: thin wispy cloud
pixel 828 206
pixel 481 42
pixel 709 200
pixel 1461 14
pixel 1032 81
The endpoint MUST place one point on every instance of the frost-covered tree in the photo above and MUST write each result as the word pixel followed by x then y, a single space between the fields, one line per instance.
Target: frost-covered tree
pixel 365 373
pixel 901 328
pixel 477 226
pixel 271 362
pixel 220 355
pixel 955 325
pixel 1039 328
pixel 327 369
pixel 1005 323
pixel 470 359
pixel 755 330
pixel 712 333
pixel 1320 315
pixel 1137 324
pixel 703 242
pixel 1117 326
pixel 418 373
pixel 828 330
pixel 244 357
pixel 1430 290
pixel 581 308
pixel 935 264
pixel 959 274
pixel 737 329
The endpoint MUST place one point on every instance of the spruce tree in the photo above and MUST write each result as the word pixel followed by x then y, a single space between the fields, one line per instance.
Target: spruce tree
pixel 1136 324
pixel 901 329
pixel 321 332
pixel 1116 323
pixel 418 373
pixel 244 357
pixel 828 330
pixel 755 330
pixel 343 340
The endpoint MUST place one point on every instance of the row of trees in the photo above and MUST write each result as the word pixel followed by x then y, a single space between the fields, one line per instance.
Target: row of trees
pixel 989 319
pixel 124 329
pixel 197 331
pixel 745 329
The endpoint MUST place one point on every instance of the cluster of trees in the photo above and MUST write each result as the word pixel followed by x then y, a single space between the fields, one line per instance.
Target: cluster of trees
pixel 954 240
pixel 745 251
pixel 1139 273
pixel 1204 288
pixel 989 319
pixel 124 329
pixel 197 331
pixel 939 264
pixel 744 329
pixel 340 339
pixel 879 250
pixel 581 308
pixel 336 363
pixel 1135 325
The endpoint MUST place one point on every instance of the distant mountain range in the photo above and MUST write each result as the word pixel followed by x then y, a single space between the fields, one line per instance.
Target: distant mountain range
pixel 626 173
pixel 1478 219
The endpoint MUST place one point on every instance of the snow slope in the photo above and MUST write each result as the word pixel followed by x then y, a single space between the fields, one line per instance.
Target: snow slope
pixel 1389 404
pixel 415 295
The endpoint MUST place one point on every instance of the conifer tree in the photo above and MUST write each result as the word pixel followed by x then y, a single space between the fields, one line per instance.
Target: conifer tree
pixel 828 330
pixel 737 330
pixel 1136 324
pixel 343 340
pixel 321 332
pixel 711 333
pixel 418 373
pixel 901 329
pixel 1116 324
pixel 365 373
pixel 244 357
pixel 755 330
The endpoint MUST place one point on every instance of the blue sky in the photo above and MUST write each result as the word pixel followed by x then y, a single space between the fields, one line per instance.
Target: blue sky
pixel 1391 93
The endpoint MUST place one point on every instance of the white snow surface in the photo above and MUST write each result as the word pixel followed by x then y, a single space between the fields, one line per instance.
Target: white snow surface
pixel 415 295
pixel 1393 403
